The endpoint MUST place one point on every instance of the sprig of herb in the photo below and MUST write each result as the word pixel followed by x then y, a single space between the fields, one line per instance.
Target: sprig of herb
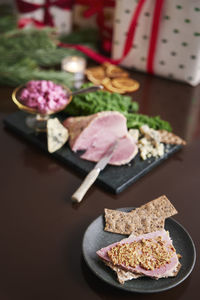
pixel 91 103
pixel 137 120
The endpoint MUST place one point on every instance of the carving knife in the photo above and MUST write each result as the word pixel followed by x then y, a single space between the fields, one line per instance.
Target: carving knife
pixel 93 174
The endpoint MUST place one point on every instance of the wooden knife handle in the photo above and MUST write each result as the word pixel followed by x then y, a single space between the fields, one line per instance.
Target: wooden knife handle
pixel 86 184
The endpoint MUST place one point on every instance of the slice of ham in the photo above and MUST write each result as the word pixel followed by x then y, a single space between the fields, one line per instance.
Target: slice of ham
pixel 167 270
pixel 96 133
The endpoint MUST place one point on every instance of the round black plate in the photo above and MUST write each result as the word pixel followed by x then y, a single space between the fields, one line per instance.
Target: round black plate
pixel 96 238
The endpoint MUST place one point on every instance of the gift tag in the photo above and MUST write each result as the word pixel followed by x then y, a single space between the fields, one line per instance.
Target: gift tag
pixel 57 135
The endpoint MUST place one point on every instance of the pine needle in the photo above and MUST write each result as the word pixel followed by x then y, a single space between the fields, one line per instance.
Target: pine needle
pixel 28 54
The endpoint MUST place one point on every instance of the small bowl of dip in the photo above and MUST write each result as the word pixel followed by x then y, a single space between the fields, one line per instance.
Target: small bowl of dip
pixel 41 98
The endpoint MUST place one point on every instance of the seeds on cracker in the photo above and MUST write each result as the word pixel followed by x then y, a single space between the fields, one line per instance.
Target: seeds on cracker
pixel 147 218
pixel 131 223
pixel 148 251
pixel 170 138
pixel 149 254
pixel 152 255
pixel 122 275
pixel 159 207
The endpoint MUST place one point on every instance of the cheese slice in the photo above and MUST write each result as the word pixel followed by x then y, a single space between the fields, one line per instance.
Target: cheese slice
pixel 57 135
pixel 134 133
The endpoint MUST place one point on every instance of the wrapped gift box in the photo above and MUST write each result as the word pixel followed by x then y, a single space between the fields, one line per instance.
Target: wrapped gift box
pixel 176 50
pixel 46 13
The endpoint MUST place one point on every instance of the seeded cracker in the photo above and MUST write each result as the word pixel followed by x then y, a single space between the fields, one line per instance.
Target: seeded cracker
pixel 170 138
pixel 117 259
pixel 147 218
pixel 159 207
pixel 122 275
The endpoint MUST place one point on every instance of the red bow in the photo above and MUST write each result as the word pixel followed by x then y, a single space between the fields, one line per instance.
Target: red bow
pixel 26 7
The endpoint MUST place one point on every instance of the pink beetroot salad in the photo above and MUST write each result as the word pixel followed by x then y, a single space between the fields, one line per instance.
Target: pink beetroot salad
pixel 43 95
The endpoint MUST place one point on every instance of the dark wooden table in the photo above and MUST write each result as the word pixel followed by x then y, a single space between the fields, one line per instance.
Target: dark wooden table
pixel 41 230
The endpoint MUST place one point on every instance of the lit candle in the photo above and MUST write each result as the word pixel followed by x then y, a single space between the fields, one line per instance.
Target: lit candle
pixel 74 64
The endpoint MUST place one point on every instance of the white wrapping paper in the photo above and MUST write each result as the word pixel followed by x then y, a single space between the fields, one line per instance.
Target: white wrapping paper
pixel 177 53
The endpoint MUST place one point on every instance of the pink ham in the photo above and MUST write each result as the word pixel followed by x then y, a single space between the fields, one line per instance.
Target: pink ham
pixel 167 270
pixel 96 133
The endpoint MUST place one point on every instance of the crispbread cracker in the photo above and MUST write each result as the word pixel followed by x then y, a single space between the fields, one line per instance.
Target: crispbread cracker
pixel 118 221
pixel 170 138
pixel 122 275
pixel 147 218
pixel 131 223
pixel 159 207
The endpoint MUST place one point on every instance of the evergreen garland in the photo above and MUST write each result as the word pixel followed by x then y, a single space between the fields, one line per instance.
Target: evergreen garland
pixel 8 20
pixel 32 53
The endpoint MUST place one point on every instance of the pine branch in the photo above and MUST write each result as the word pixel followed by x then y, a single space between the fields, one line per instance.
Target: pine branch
pixel 25 52
pixel 26 70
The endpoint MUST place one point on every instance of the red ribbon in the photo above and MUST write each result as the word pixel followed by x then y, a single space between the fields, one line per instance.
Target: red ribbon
pixel 96 7
pixel 132 28
pixel 89 52
pixel 26 7
pixel 154 35
pixel 130 38
pixel 128 43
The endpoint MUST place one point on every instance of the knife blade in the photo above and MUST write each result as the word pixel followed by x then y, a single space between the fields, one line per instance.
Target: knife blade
pixel 93 174
pixel 106 157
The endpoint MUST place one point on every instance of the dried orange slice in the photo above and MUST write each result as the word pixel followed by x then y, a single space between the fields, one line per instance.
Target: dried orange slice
pixel 127 84
pixel 105 65
pixel 113 78
pixel 96 71
pixel 95 75
pixel 107 83
pixel 95 79
pixel 113 71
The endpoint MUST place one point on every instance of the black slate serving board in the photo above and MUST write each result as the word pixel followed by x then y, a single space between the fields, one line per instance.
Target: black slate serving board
pixel 113 178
